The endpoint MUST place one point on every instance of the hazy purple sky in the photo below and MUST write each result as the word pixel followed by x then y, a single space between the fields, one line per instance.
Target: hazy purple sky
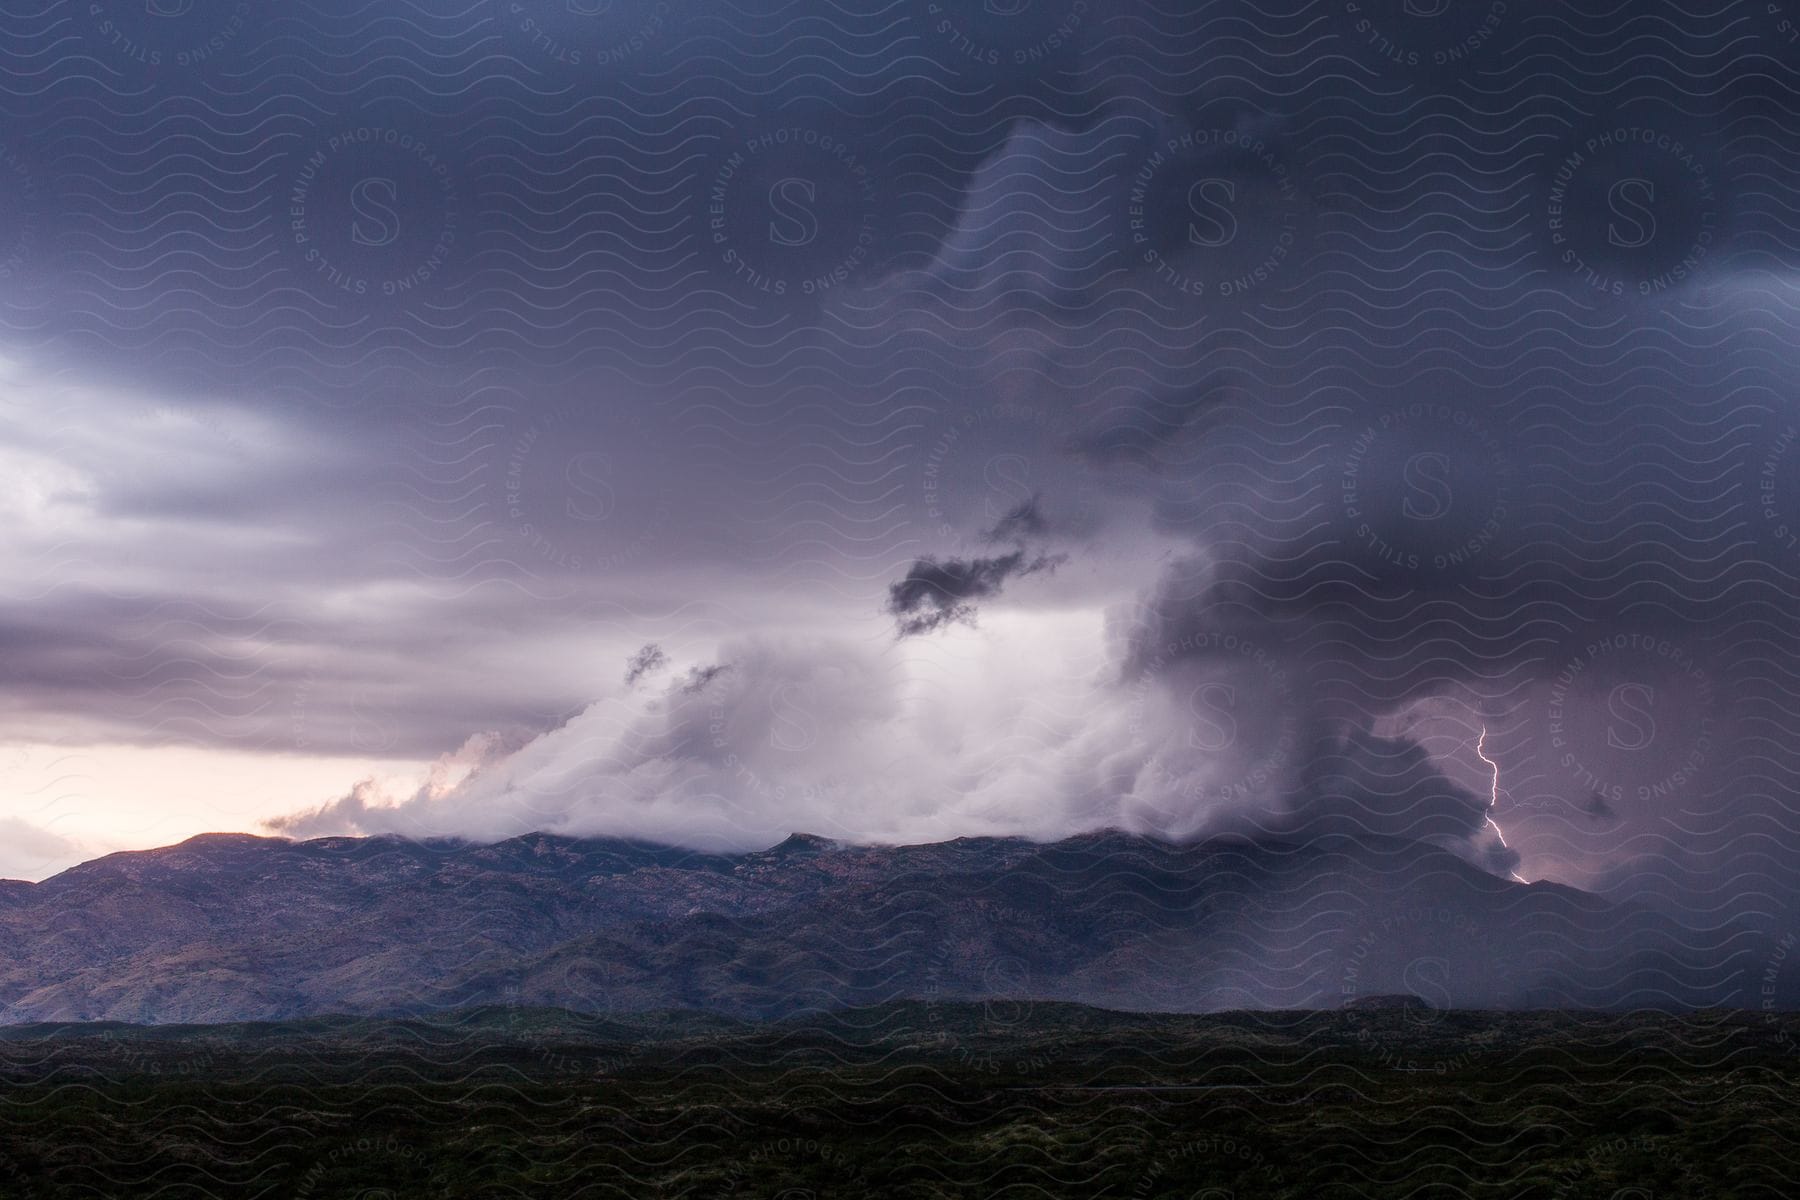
pixel 902 421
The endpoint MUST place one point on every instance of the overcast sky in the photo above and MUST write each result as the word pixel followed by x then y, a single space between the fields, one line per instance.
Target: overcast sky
pixel 900 421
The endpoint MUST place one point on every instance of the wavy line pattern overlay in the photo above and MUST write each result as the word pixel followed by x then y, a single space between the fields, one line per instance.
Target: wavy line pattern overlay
pixel 761 589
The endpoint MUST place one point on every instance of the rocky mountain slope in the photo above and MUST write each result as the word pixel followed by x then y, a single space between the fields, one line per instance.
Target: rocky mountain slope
pixel 232 927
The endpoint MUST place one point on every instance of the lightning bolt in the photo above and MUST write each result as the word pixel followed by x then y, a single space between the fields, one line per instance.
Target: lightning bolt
pixel 1493 794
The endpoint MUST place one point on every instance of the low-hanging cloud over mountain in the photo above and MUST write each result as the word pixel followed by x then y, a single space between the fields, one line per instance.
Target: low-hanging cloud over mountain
pixel 1368 417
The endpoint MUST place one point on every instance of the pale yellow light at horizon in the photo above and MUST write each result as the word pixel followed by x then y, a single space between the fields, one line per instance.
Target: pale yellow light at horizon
pixel 94 800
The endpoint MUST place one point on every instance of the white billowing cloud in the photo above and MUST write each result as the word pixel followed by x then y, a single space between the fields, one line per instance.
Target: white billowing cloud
pixel 1017 728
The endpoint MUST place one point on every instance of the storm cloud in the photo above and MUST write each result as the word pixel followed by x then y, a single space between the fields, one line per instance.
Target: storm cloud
pixel 1259 411
pixel 934 593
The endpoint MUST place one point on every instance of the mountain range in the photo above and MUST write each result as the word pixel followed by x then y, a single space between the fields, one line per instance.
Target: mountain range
pixel 229 927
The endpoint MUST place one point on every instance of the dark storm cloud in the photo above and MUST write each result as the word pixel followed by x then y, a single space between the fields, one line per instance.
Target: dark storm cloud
pixel 280 677
pixel 1361 785
pixel 938 592
pixel 650 659
pixel 697 678
pixel 935 593
pixel 1460 499
pixel 1434 346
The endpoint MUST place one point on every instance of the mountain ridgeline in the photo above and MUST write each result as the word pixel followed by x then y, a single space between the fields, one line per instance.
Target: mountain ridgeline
pixel 229 927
